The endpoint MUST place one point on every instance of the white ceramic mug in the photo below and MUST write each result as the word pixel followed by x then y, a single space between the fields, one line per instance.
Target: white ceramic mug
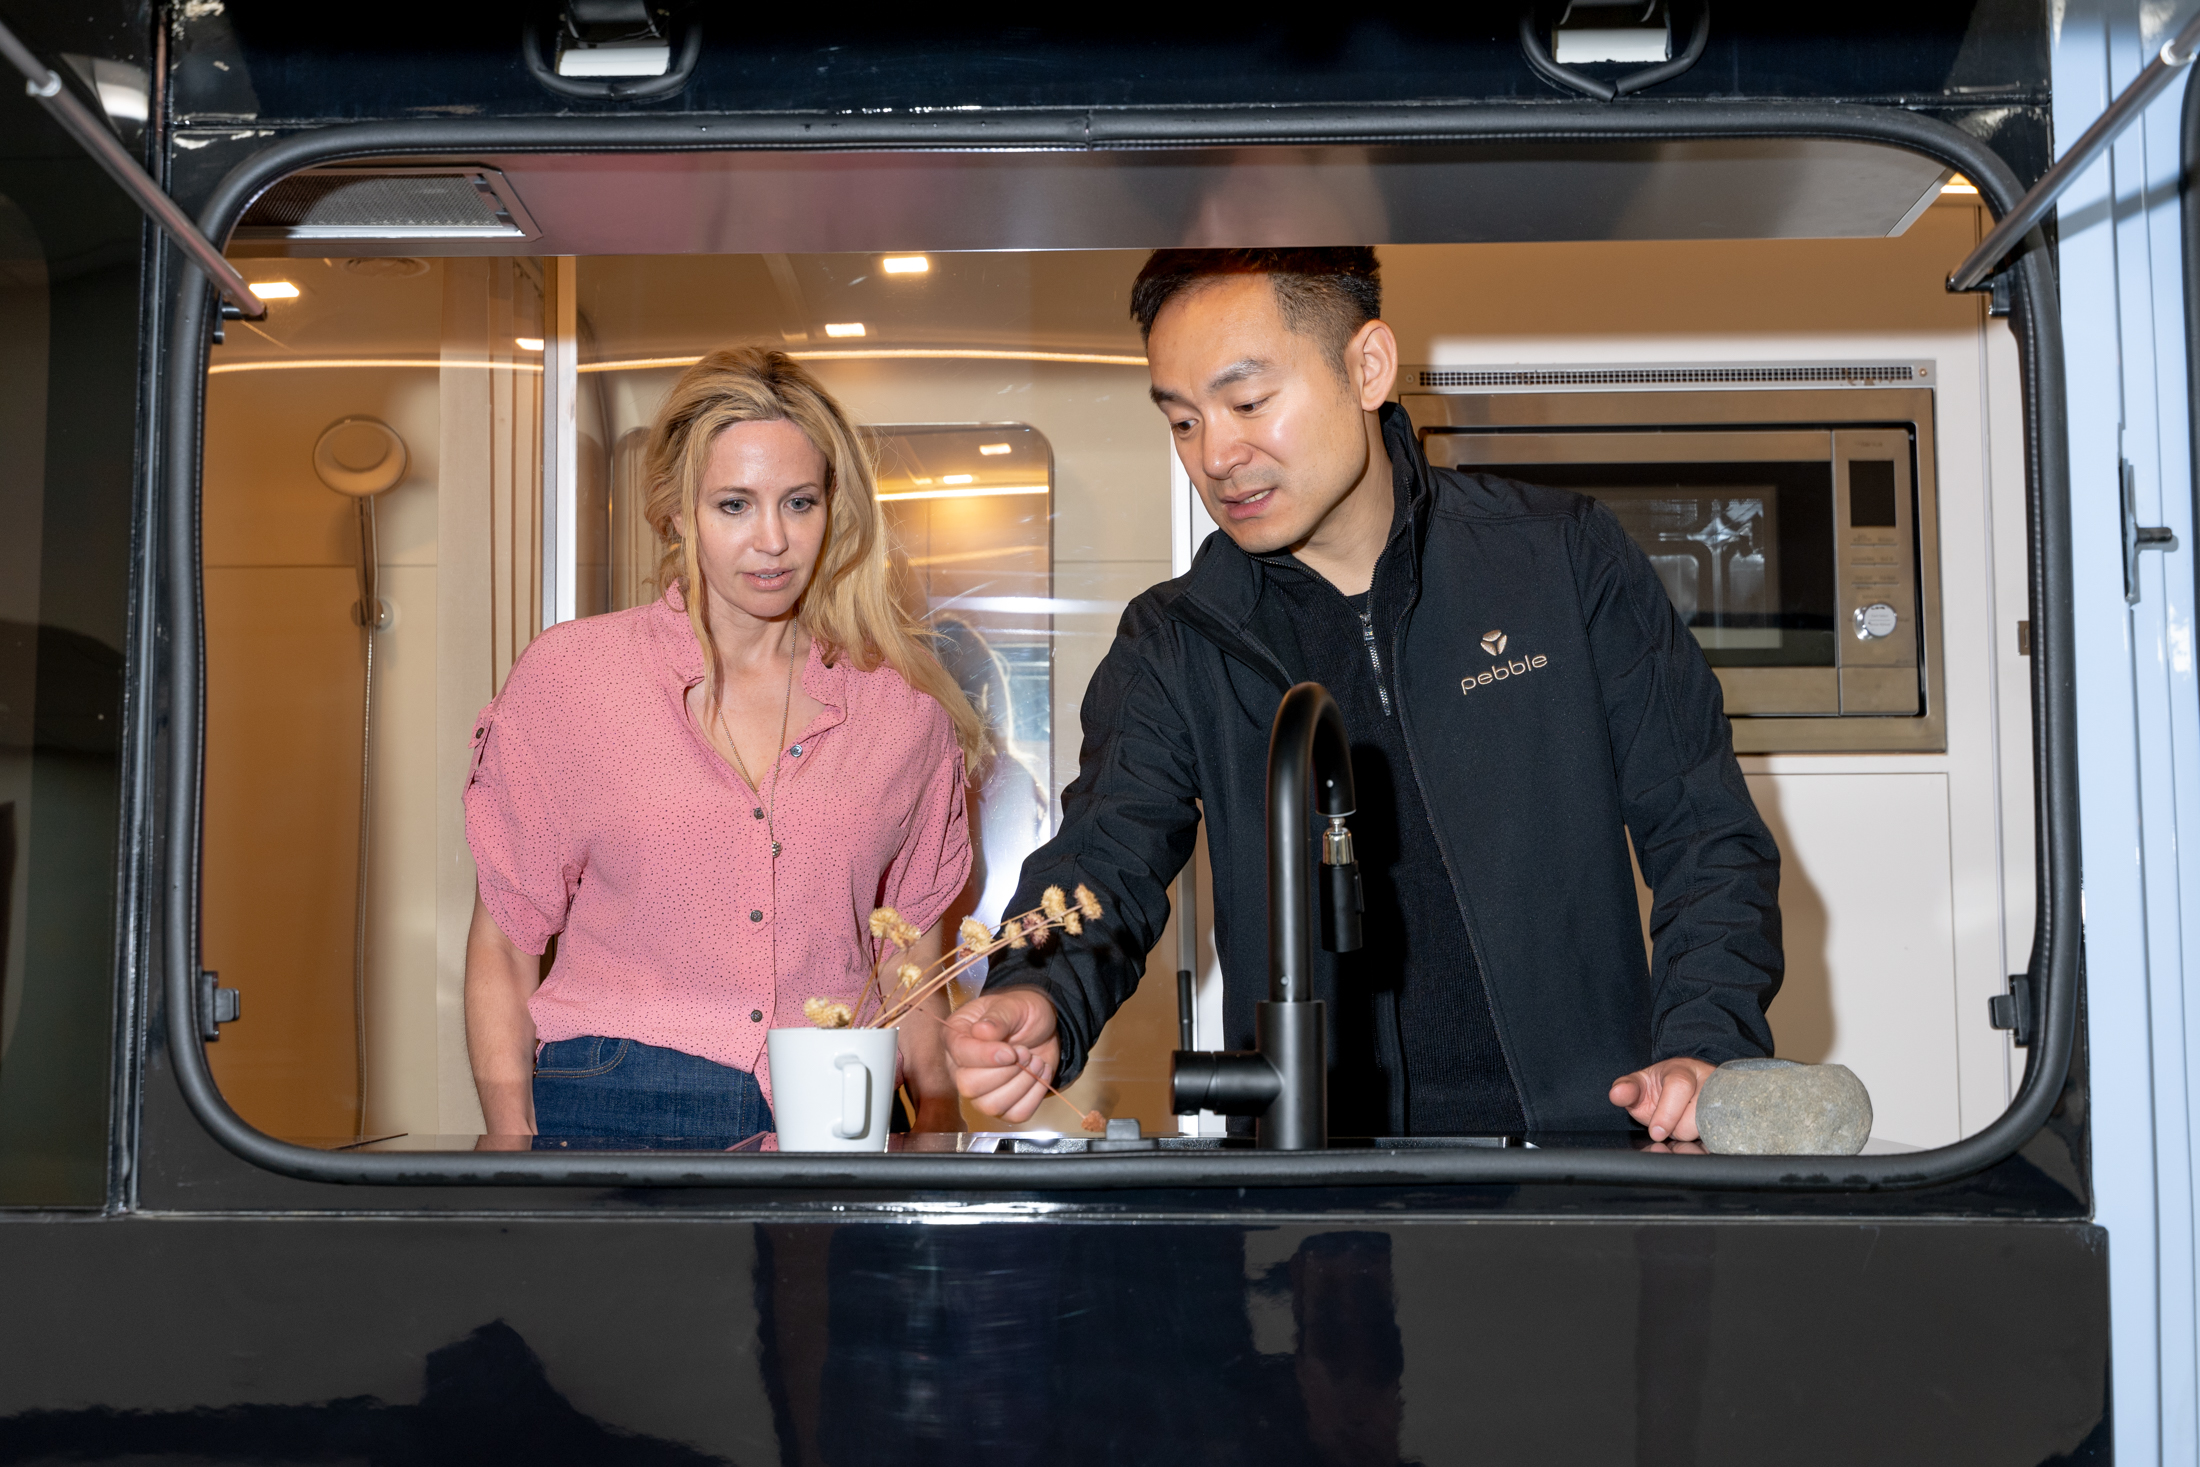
pixel 832 1089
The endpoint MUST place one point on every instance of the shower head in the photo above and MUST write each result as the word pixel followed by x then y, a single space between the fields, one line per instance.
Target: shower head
pixel 360 457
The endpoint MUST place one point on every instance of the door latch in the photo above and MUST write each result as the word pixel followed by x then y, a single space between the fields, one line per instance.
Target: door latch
pixel 2138 537
pixel 217 1005
pixel 2013 1010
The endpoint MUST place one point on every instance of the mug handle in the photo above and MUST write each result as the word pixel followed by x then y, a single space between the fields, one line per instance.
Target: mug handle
pixel 855 1099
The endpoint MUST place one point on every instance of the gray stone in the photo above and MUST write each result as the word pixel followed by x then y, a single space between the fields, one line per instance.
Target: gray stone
pixel 1776 1107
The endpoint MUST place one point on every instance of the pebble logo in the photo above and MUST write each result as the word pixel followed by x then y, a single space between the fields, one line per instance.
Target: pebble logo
pixel 1497 672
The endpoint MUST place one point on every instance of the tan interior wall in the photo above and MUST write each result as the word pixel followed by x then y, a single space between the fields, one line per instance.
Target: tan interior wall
pixel 285 678
pixel 284 684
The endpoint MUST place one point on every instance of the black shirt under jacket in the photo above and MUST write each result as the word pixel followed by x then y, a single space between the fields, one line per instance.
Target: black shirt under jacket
pixel 1415 1047
pixel 1552 704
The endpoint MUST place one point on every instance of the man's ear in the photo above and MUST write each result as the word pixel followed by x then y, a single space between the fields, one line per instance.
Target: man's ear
pixel 1371 362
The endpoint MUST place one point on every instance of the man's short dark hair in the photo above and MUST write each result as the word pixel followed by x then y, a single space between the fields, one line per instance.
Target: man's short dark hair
pixel 1326 294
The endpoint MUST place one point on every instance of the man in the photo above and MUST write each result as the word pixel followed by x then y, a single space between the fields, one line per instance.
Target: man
pixel 1521 699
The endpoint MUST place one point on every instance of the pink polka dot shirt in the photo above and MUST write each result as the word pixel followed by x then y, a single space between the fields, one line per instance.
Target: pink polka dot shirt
pixel 598 813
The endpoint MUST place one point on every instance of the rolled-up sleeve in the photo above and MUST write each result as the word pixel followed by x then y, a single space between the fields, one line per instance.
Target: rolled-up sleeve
pixel 933 864
pixel 522 856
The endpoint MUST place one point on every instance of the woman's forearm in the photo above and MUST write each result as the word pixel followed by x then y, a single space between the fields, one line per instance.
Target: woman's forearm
pixel 924 1051
pixel 500 1033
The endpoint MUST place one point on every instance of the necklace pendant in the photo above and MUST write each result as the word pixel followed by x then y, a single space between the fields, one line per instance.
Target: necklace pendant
pixel 775 848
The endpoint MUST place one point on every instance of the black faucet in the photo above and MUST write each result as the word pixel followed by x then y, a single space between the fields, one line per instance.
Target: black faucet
pixel 1284 1078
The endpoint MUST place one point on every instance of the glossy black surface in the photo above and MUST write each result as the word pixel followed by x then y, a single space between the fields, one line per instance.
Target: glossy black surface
pixel 72 248
pixel 756 1338
pixel 275 61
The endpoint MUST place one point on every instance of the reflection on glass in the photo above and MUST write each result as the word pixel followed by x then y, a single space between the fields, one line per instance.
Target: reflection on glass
pixel 1717 554
pixel 68 359
pixel 970 509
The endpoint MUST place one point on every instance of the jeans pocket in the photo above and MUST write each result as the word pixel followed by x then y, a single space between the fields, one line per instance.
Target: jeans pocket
pixel 580 1059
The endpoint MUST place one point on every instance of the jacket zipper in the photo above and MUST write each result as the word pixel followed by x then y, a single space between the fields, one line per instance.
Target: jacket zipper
pixel 1374 653
pixel 1474 946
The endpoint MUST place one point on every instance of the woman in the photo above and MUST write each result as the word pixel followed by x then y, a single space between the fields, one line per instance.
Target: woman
pixel 703 799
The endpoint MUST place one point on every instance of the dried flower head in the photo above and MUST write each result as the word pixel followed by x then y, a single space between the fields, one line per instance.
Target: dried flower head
pixel 1035 928
pixel 1053 903
pixel 1072 923
pixel 909 974
pixel 1087 903
pixel 888 925
pixel 826 1013
pixel 975 934
pixel 1094 1122
pixel 1016 934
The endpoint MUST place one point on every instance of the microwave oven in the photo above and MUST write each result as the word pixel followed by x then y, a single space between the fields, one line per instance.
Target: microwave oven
pixel 1792 525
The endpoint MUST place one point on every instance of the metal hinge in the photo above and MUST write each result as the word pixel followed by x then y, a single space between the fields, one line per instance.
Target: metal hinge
pixel 2013 1010
pixel 217 1005
pixel 2137 537
pixel 1997 294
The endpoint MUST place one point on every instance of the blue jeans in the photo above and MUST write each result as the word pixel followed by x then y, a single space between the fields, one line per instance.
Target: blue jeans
pixel 592 1091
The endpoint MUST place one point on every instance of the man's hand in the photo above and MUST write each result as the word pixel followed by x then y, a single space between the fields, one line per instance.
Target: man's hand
pixel 1001 1049
pixel 1663 1097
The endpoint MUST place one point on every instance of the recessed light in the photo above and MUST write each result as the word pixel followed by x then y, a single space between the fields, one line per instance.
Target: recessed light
pixel 843 328
pixel 528 343
pixel 957 478
pixel 1959 185
pixel 976 491
pixel 990 449
pixel 905 264
pixel 274 290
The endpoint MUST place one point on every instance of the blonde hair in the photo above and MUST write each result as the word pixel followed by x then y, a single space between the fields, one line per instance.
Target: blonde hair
pixel 849 607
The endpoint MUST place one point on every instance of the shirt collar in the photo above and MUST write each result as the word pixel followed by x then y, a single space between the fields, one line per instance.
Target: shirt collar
pixel 682 658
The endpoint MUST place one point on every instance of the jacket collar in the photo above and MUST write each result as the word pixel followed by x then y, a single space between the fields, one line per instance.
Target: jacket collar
pixel 1217 596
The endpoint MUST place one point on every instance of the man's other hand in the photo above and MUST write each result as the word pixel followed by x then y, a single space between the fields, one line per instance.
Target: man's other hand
pixel 1662 1097
pixel 1002 1051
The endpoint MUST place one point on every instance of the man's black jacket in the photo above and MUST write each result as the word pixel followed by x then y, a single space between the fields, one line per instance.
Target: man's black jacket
pixel 1553 702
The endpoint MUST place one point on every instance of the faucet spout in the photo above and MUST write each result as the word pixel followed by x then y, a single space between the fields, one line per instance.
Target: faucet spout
pixel 1284 1078
pixel 1309 764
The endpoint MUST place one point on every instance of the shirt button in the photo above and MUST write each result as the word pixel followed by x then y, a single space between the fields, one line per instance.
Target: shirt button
pixel 756 916
pixel 796 751
pixel 757 813
pixel 756 1016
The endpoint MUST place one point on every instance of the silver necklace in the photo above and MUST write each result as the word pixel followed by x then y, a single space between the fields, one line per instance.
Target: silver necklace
pixel 771 801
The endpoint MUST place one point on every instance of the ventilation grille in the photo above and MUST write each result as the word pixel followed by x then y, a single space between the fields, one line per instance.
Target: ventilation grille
pixel 1860 375
pixel 409 204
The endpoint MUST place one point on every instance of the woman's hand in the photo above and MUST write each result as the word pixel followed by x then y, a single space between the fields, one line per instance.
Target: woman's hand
pixel 500 1033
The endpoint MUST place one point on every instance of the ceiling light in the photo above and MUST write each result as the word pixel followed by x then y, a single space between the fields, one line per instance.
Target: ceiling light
pixel 957 478
pixel 843 328
pixel 905 264
pixel 528 343
pixel 990 449
pixel 1959 185
pixel 275 290
pixel 979 491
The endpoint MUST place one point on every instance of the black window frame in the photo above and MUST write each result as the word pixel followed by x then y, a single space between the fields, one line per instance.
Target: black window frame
pixel 173 837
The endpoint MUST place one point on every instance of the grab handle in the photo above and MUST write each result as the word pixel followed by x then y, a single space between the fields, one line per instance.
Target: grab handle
pixel 855 1099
